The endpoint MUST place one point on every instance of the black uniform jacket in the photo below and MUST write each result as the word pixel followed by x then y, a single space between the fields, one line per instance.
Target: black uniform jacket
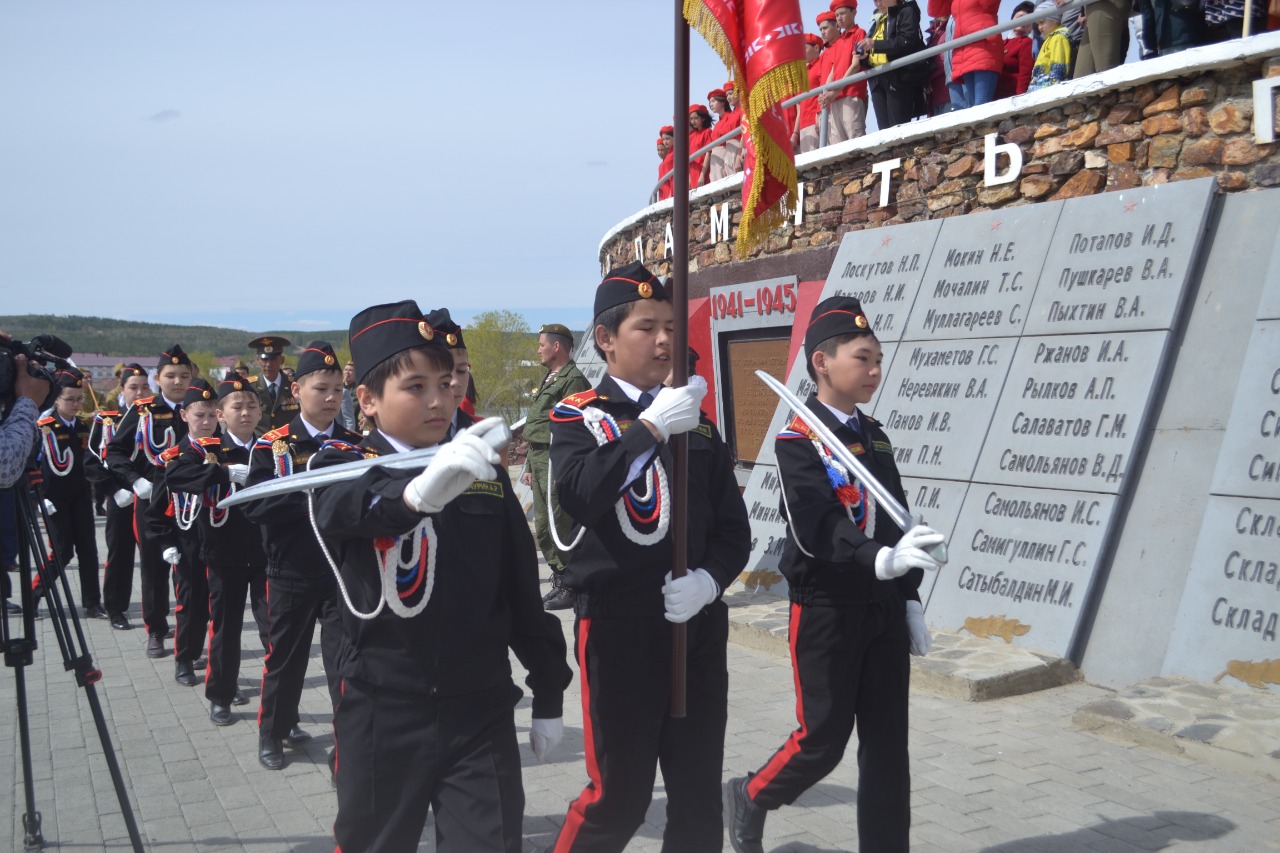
pixel 125 459
pixel 485 598
pixel 287 537
pixel 69 442
pixel 227 536
pixel 611 573
pixel 842 569
pixel 161 514
pixel 101 428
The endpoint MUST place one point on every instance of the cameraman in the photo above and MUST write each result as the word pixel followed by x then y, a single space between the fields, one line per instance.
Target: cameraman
pixel 18 432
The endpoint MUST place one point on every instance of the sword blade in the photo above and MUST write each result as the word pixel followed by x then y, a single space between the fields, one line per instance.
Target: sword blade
pixel 495 433
pixel 904 519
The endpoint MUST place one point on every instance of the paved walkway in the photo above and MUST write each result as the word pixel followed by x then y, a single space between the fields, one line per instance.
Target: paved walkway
pixel 1006 775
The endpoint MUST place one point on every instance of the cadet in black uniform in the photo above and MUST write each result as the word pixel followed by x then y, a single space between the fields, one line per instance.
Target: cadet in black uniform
pixel 275 390
pixel 610 465
pixel 172 521
pixel 853 579
pixel 149 428
pixel 64 438
pixel 300 585
pixel 122 539
pixel 460 378
pixel 445 561
pixel 209 469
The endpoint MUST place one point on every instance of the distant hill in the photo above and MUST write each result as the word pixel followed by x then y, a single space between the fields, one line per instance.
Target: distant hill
pixel 128 337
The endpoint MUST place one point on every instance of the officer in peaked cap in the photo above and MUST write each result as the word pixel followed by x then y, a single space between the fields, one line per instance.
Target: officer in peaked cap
pixel 275 391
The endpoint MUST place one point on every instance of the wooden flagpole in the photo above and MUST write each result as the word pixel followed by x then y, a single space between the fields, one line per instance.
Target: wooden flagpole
pixel 679 282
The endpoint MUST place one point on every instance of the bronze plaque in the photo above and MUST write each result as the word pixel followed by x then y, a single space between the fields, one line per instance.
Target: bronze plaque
pixel 752 404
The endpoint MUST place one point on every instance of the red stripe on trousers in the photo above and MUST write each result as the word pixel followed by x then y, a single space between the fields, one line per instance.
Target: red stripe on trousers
pixel 595 787
pixel 263 688
pixel 780 758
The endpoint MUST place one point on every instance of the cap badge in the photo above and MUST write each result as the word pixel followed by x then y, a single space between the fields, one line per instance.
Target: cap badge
pixel 237 386
pixel 267 348
pixel 206 394
pixel 452 338
pixel 424 329
pixel 328 359
pixel 645 289
pixel 860 321
pixel 174 359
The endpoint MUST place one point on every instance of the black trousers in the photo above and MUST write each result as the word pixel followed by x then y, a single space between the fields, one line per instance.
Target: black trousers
pixel 294 606
pixel 122 547
pixel 400 754
pixel 851 668
pixel 191 599
pixel 625 671
pixel 72 528
pixel 896 103
pixel 229 587
pixel 154 571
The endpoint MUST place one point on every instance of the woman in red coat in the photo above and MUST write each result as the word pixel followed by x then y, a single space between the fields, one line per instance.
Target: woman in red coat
pixel 975 68
pixel 1015 77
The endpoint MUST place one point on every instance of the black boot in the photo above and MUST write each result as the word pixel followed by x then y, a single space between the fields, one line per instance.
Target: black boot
pixel 561 597
pixel 555 587
pixel 746 821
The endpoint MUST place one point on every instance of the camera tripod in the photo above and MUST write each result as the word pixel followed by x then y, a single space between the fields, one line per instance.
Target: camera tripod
pixel 19 650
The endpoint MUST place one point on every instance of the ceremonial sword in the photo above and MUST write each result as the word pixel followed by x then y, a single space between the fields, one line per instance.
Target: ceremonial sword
pixel 904 519
pixel 497 437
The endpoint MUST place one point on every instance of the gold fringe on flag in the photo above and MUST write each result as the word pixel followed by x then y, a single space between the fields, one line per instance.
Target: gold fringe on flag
pixel 773 87
pixel 700 18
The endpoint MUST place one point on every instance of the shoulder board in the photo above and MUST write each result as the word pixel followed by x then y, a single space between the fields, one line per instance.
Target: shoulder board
pixel 869 419
pixel 143 401
pixel 209 441
pixel 339 444
pixel 279 432
pixel 172 453
pixel 882 446
pixel 45 421
pixel 582 398
pixel 796 428
pixel 252 379
pixel 103 413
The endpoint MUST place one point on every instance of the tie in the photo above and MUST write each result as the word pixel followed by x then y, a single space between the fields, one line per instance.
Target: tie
pixel 322 437
pixel 646 399
pixel 854 425
pixel 272 388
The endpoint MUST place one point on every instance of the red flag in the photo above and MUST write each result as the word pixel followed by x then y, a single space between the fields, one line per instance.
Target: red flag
pixel 762 44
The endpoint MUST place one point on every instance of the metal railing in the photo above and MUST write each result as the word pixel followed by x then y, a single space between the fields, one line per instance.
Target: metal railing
pixel 892 65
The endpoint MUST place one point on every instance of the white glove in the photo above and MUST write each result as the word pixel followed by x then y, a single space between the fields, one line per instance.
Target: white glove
pixel 142 488
pixel 238 473
pixel 458 464
pixel 545 736
pixel 909 553
pixel 675 410
pixel 123 498
pixel 49 507
pixel 171 555
pixel 684 597
pixel 921 639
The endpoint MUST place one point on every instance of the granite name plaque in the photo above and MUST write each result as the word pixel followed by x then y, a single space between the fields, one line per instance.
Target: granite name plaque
pixel 936 403
pixel 1071 411
pixel 1249 461
pixel 1120 261
pixel 1228 615
pixel 1021 560
pixel 938 503
pixel 983 272
pixel 588 360
pixel 1269 306
pixel 882 268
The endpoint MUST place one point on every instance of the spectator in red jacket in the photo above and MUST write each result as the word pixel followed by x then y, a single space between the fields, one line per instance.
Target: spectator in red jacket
pixel 1015 77
pixel 975 67
pixel 847 107
pixel 723 160
pixel 700 131
pixel 805 137
pixel 667 136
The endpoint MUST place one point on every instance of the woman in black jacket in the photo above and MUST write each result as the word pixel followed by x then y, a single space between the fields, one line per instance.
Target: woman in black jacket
pixel 898 96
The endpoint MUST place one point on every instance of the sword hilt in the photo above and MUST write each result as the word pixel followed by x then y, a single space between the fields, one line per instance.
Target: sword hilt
pixel 939 551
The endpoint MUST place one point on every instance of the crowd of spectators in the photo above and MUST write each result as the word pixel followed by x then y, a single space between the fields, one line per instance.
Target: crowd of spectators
pixel 1060 47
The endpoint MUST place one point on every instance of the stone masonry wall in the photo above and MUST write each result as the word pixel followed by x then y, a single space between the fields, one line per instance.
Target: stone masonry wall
pixel 1186 126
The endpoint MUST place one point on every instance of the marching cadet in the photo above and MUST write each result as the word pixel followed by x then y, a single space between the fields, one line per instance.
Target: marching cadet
pixel 555 351
pixel 610 465
pixel 68 492
pixel 444 562
pixel 122 541
pixel 207 470
pixel 853 579
pixel 300 585
pixel 149 428
pixel 275 390
pixel 460 377
pixel 171 520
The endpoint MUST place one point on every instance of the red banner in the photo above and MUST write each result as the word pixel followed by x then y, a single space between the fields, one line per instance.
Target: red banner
pixel 762 44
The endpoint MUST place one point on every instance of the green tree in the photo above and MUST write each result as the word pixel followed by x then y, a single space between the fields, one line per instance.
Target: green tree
pixel 504 363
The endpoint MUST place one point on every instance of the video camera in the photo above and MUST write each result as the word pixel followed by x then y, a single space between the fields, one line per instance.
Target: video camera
pixel 45 353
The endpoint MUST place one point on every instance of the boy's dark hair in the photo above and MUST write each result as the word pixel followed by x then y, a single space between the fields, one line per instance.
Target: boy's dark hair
pixel 565 343
pixel 376 379
pixel 329 370
pixel 829 347
pixel 1025 6
pixel 249 392
pixel 611 319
